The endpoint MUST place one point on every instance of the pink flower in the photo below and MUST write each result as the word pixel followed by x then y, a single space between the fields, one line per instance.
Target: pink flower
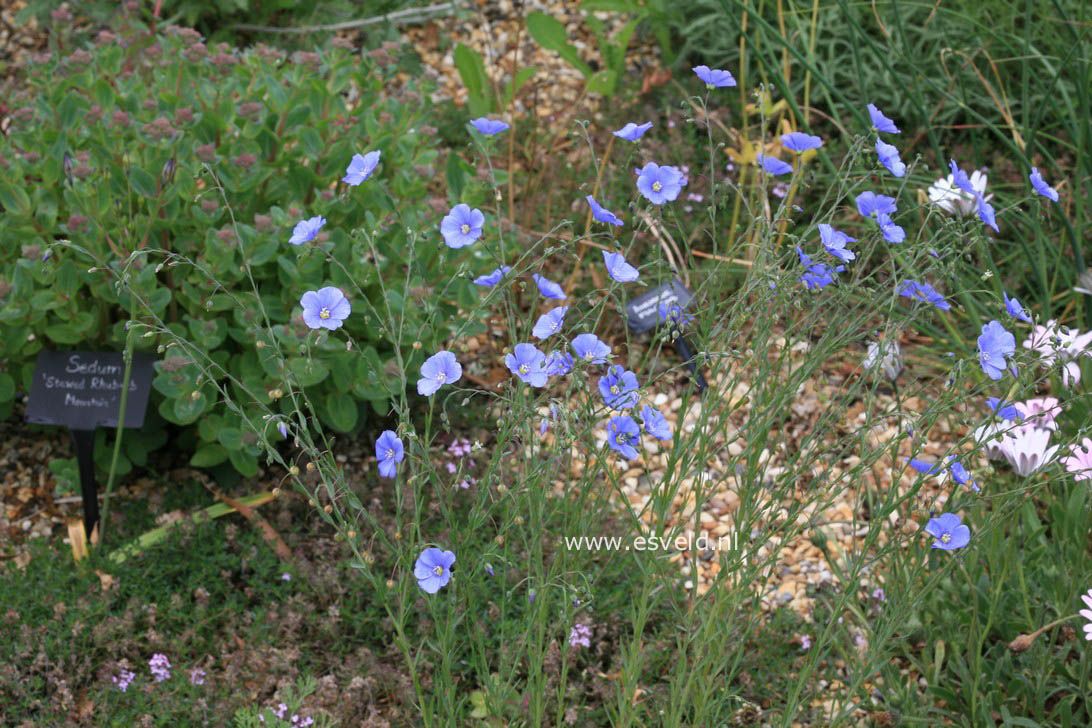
pixel 197 676
pixel 580 635
pixel 160 667
pixel 1053 343
pixel 1080 462
pixel 1040 412
pixel 805 641
pixel 1026 449
pixel 1087 614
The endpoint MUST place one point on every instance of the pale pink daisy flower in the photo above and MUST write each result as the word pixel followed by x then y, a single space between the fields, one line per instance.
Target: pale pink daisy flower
pixel 1040 412
pixel 1079 461
pixel 1087 614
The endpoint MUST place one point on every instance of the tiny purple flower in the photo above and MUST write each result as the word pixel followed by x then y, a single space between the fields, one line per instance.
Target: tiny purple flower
pixel 632 132
pixel 528 363
pixel 590 349
pixel 622 435
pixel 773 165
pixel 580 635
pixel 548 288
pixel 655 423
pixel 869 204
pixel 549 323
pixel 489 127
pixel 925 293
pixel 994 345
pixel 1041 186
pixel 986 214
pixel 659 184
pixel 889 157
pixel 601 213
pixel 197 676
pixel 714 78
pixel 949 532
pixel 160 667
pixel 558 363
pixel 123 679
pixel 360 168
pixel 619 388
pixel 798 141
pixel 619 269
pixel 835 242
pixel 493 278
pixel 881 122
pixel 462 226
pixel 389 452
pixel 1014 309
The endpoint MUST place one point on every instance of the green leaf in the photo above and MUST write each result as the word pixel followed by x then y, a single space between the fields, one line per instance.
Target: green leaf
pixel 521 77
pixel 549 33
pixel 341 412
pixel 245 463
pixel 14 199
pixel 456 176
pixel 309 372
pixel 209 455
pixel 69 110
pixel 7 387
pixel 64 334
pixel 472 71
pixel 603 83
pixel 143 182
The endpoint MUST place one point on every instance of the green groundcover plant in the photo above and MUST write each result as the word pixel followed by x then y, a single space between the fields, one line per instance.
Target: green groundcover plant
pixel 137 142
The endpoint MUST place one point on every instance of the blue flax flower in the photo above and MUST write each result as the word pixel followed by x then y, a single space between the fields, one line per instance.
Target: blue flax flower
pixel 1004 410
pixel 986 213
pixel 835 242
pixel 618 268
pixel 1041 186
pixel 881 122
pixel 817 275
pixel 922 466
pixel 714 78
pixel 889 157
pixel 601 213
pixel 632 132
pixel 439 369
pixel 960 474
pixel 558 363
pixel 773 165
pixel 892 233
pixel 389 452
pixel 960 179
pixel 550 322
pixel 325 308
pixel 655 423
pixel 548 288
pixel 619 388
pixel 798 141
pixel 306 230
pixel 489 127
pixel 622 435
pixel 869 204
pixel 659 184
pixel 493 278
pixel 590 349
pixel 1014 309
pixel 528 363
pixel 925 293
pixel 674 315
pixel 949 532
pixel 360 168
pixel 462 226
pixel 994 345
pixel 433 569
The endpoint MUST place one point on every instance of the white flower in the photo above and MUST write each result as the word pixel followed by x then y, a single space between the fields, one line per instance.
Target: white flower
pixel 1054 343
pixel 1087 614
pixel 886 357
pixel 989 438
pixel 944 194
pixel 1026 449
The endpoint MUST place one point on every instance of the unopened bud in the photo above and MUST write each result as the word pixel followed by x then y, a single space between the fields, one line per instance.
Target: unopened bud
pixel 294 471
pixel 328 508
pixel 276 492
pixel 310 467
pixel 259 344
pixel 1022 642
pixel 195 395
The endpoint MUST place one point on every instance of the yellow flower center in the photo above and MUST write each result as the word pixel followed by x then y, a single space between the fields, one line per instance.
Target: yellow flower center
pixel 945 537
pixel 620 438
pixel 656 186
pixel 324 313
pixel 710 86
pixel 588 356
pixel 465 228
pixel 441 377
pixel 438 570
pixel 614 389
pixel 523 369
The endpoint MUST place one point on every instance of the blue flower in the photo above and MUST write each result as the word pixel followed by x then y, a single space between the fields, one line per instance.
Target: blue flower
pixel 773 165
pixel 632 132
pixel 925 293
pixel 306 230
pixel 659 184
pixel 1041 186
pixel 601 213
pixel 619 269
pixel 892 233
pixel 881 122
pixel 994 345
pixel 550 322
pixel 619 388
pixel 433 569
pixel 714 78
pixel 798 141
pixel 674 315
pixel 493 278
pixel 439 369
pixel 1014 309
pixel 528 363
pixel 622 435
pixel 835 242
pixel 986 213
pixel 960 179
pixel 869 204
pixel 462 226
pixel 1004 410
pixel 325 308
pixel 817 275
pixel 655 423
pixel 548 288
pixel 360 168
pixel 949 532
pixel 960 474
pixel 558 363
pixel 590 349
pixel 922 466
pixel 389 452
pixel 489 127
pixel 889 157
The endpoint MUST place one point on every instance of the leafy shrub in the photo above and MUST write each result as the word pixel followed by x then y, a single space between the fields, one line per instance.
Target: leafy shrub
pixel 133 145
